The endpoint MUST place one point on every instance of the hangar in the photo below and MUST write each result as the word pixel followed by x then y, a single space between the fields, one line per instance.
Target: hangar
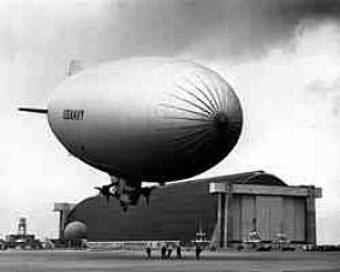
pixel 224 209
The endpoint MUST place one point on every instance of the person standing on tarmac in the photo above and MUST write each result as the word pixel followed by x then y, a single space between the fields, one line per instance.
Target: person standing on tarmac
pixel 148 251
pixel 198 252
pixel 163 252
pixel 169 252
pixel 179 251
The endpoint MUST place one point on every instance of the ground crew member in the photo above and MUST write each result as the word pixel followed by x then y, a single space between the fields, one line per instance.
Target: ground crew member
pixel 198 252
pixel 148 252
pixel 169 252
pixel 179 251
pixel 163 252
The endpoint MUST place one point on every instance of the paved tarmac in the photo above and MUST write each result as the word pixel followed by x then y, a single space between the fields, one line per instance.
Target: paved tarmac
pixel 103 261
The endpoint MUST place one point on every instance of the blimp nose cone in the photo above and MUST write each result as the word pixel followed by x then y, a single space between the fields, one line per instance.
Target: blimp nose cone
pixel 221 121
pixel 202 117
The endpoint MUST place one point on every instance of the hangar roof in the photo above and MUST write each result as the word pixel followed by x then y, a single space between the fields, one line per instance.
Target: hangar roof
pixel 255 177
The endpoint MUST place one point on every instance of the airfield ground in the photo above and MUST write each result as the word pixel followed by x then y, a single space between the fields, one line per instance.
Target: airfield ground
pixel 52 261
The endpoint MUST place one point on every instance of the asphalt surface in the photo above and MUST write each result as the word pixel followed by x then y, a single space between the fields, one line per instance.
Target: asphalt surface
pixel 52 261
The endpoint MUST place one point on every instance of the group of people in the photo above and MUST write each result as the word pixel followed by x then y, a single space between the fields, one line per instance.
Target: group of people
pixel 167 252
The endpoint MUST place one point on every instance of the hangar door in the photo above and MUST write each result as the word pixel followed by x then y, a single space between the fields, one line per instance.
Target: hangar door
pixel 269 216
pixel 247 210
pixel 294 218
pixel 234 217
pixel 267 210
pixel 273 214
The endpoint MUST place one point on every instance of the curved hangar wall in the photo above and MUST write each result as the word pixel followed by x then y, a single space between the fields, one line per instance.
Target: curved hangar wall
pixel 174 213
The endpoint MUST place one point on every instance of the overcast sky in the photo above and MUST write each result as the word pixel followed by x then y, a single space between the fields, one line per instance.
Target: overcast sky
pixel 282 57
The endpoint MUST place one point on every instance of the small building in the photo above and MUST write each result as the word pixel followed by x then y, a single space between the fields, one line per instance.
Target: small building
pixel 226 209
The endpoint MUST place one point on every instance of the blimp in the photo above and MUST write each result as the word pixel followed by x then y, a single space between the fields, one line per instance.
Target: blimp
pixel 148 119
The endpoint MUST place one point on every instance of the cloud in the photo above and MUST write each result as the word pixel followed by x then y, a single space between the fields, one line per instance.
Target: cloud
pixel 311 9
pixel 290 94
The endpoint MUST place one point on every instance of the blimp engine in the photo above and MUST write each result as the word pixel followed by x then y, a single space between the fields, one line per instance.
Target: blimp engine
pixel 146 119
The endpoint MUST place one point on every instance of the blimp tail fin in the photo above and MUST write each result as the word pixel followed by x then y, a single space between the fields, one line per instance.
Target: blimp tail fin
pixel 34 110
pixel 74 67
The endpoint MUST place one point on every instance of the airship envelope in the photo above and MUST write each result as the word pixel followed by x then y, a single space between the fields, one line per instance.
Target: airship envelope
pixel 151 119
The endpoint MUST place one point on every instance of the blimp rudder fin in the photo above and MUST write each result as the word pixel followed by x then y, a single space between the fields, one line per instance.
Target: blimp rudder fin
pixel 74 67
pixel 33 110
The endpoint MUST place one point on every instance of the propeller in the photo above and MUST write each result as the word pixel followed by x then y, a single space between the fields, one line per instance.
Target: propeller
pixel 105 191
pixel 102 193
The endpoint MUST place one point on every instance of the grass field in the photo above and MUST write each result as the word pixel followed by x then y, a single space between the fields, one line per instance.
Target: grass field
pixel 51 261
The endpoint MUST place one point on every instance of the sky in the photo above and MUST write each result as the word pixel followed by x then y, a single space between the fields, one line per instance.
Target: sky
pixel 282 58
